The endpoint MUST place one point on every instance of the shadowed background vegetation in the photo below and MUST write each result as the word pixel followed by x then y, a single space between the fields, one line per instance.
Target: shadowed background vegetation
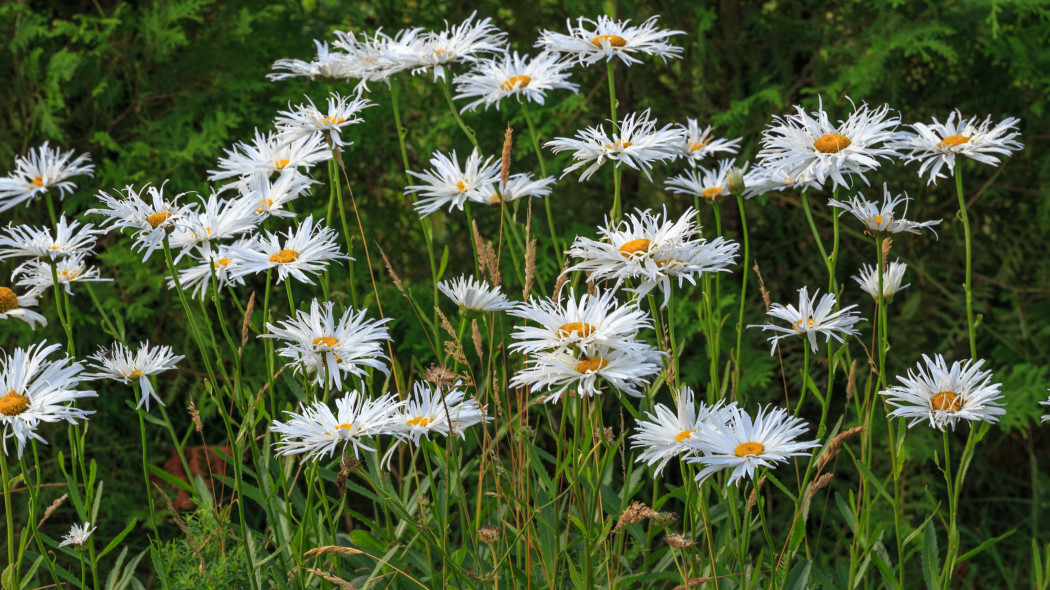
pixel 155 91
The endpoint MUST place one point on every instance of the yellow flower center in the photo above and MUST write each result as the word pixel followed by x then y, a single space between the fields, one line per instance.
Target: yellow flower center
pixel 592 364
pixel 946 401
pixel 284 256
pixel 619 144
pixel 38 182
pixel 712 192
pixel 669 262
pixel 264 205
pixel 67 275
pixel 157 218
pixel 345 427
pixel 874 223
pixel 223 262
pixel 333 120
pixel 802 325
pixel 421 421
pixel 695 147
pixel 13 403
pixel 494 198
pixel 639 246
pixel 832 143
pixel 516 82
pixel 749 448
pixel 134 374
pixel 684 435
pixel 280 164
pixel 461 186
pixel 579 328
pixel 8 300
pixel 611 40
pixel 952 141
pixel 326 341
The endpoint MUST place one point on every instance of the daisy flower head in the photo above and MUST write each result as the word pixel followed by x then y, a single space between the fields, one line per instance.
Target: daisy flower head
pixel 522 185
pixel 120 363
pixel 881 219
pixel 513 75
pixel 146 211
pixel 444 410
pixel 944 395
pixel 760 180
pixel 272 152
pixel 216 219
pixel 306 120
pixel 306 249
pixel 734 440
pixel 70 238
pixel 808 145
pixel 626 370
pixel 324 65
pixel 700 143
pixel 40 170
pixel 590 42
pixel 1045 417
pixel 38 390
pixel 322 344
pixel 458 43
pixel 316 431
pixel 448 184
pixel 218 263
pixel 13 305
pixel 663 435
pixel 269 197
pixel 712 185
pixel 812 317
pixel 637 144
pixel 474 296
pixel 78 535
pixel 378 56
pixel 36 275
pixel 591 324
pixel 892 276
pixel 686 262
pixel 936 145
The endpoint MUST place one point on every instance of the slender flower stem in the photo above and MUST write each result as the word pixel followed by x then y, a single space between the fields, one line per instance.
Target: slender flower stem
pixel 969 260
pixel 145 470
pixel 610 74
pixel 743 295
pixel 813 228
pixel 8 512
pixel 455 112
pixel 194 330
pixel 558 251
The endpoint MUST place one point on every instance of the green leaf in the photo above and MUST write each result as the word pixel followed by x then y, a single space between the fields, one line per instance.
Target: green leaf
pixel 930 559
pixel 988 543
pixel 120 537
pixel 798 579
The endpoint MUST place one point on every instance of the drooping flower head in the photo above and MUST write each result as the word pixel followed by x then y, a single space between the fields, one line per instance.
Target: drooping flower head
pixel 637 144
pixel 475 296
pixel 881 219
pixel 458 43
pixel 316 431
pixel 513 75
pixel 37 276
pixel 937 144
pixel 120 363
pixel 891 279
pixel 944 395
pixel 812 318
pixel 448 184
pixel 590 41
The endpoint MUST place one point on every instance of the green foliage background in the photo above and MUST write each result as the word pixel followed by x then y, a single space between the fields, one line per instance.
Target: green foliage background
pixel 155 91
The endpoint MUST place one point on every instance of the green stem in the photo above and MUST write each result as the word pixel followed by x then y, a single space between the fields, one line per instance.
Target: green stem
pixel 743 295
pixel 813 228
pixel 558 251
pixel 455 113
pixel 8 512
pixel 969 260
pixel 145 471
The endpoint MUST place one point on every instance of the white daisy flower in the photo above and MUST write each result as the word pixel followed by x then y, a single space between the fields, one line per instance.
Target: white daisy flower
pixel 272 152
pixel 14 306
pixel 69 239
pixel 216 219
pixel 447 183
pixel 151 217
pixel 441 410
pixel 38 171
pixel 638 144
pixel 269 197
pixel 590 42
pixel 522 185
pixel 594 323
pixel 307 248
pixel 36 275
pixel 326 347
pixel 324 65
pixel 733 440
pixel 868 279
pixel 458 43
pixel 218 262
pixel 945 395
pixel 663 434
pixel 807 145
pixel 626 370
pixel 700 143
pixel 475 296
pixel 78 535
pixel 812 318
pixel 123 364
pixel 306 120
pixel 1045 417
pixel 936 145
pixel 316 431
pixel 38 390
pixel 760 180
pixel 493 80
pixel 712 185
pixel 881 219
pixel 649 249
pixel 378 56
